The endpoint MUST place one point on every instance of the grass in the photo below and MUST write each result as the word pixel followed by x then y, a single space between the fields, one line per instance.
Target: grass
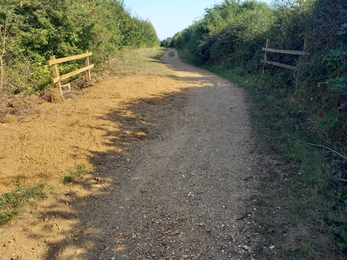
pixel 74 174
pixel 12 202
pixel 140 62
pixel 312 220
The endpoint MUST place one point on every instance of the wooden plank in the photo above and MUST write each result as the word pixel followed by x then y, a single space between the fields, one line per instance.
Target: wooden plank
pixel 284 51
pixel 56 74
pixel 68 75
pixel 61 60
pixel 267 45
pixel 279 64
pixel 88 74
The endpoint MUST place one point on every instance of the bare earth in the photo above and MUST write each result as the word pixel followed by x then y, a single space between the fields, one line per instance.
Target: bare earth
pixel 170 171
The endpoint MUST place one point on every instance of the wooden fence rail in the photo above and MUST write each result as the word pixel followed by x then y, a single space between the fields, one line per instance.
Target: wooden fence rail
pixel 58 78
pixel 278 64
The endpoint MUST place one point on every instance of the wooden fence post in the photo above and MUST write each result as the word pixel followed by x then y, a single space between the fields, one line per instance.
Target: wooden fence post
pixel 56 75
pixel 88 74
pixel 267 45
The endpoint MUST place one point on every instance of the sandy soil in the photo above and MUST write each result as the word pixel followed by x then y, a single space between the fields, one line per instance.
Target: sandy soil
pixel 170 171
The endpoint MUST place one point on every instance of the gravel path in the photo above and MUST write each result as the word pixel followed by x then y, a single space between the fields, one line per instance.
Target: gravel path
pixel 183 195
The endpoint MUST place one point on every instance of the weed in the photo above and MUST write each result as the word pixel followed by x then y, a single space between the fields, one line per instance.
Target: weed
pixel 11 202
pixel 74 174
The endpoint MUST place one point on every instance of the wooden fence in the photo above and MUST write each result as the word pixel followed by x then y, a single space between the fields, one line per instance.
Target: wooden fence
pixel 58 78
pixel 278 64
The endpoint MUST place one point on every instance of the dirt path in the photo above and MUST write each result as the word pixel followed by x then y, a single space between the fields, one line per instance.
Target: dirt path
pixel 179 193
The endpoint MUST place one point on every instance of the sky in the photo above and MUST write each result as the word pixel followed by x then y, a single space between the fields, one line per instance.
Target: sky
pixel 170 16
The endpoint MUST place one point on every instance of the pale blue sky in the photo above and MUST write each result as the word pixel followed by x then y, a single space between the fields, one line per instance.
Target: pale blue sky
pixel 171 16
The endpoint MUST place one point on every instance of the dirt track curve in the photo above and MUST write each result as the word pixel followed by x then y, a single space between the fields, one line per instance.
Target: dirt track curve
pixel 180 194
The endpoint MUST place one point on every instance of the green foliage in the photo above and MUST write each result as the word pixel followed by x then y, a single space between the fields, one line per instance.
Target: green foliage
pixel 32 31
pixel 229 33
pixel 323 71
pixel 74 174
pixel 11 202
pixel 166 43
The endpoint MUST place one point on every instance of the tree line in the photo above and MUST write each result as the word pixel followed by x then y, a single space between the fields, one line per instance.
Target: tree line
pixel 33 30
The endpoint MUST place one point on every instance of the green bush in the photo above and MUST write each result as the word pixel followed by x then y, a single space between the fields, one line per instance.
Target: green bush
pixel 32 31
pixel 230 33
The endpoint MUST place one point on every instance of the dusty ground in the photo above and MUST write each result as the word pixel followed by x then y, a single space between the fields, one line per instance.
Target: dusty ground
pixel 170 171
